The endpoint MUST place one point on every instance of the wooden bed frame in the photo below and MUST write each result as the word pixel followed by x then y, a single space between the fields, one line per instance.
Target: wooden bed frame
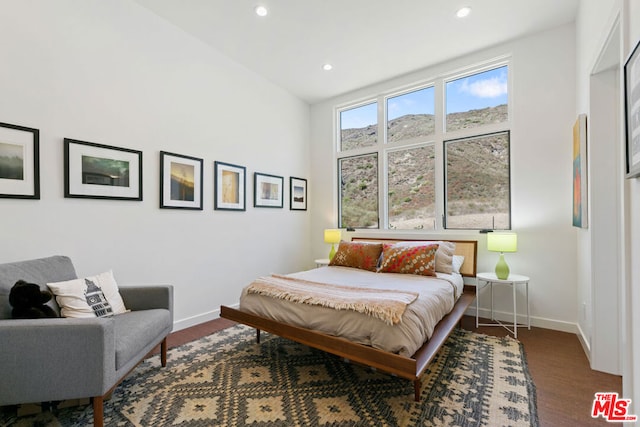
pixel 410 368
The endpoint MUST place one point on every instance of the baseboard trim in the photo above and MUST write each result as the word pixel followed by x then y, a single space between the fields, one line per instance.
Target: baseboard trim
pixel 584 342
pixel 539 322
pixel 181 324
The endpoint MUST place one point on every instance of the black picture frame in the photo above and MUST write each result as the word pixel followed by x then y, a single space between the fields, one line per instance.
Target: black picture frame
pixel 632 113
pixel 19 162
pixel 180 181
pixel 297 194
pixel 98 171
pixel 268 190
pixel 230 186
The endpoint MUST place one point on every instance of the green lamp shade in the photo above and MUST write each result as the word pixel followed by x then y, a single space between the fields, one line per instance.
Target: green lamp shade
pixel 502 242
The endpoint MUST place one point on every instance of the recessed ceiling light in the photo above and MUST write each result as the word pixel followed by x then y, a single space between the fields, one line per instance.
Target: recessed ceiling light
pixel 327 67
pixel 462 12
pixel 261 11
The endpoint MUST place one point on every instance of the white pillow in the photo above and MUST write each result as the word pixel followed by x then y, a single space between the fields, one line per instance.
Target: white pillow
pixel 456 263
pixel 95 296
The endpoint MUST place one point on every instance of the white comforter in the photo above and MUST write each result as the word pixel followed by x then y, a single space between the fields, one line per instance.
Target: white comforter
pixel 436 298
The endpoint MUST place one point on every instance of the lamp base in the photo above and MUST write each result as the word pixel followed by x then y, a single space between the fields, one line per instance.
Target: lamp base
pixel 332 252
pixel 502 269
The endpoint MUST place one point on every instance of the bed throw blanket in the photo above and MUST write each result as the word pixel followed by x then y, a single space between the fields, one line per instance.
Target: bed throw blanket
pixel 384 304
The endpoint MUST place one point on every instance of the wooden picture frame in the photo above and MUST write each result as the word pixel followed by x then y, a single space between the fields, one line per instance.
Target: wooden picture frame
pixel 19 162
pixel 180 181
pixel 97 171
pixel 632 113
pixel 297 194
pixel 229 187
pixel 268 190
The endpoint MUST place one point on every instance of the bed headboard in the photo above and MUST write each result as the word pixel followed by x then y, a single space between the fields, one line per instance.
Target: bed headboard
pixel 466 248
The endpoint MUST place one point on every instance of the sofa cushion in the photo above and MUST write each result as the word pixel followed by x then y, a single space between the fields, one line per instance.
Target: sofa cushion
pixel 40 271
pixel 136 329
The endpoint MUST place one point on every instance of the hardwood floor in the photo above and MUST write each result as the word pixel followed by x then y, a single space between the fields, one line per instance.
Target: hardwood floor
pixel 564 382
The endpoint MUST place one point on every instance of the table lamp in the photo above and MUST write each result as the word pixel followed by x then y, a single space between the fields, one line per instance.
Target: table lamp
pixel 332 236
pixel 502 242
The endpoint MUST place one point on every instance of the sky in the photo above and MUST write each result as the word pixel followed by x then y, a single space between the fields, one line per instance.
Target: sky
pixel 482 90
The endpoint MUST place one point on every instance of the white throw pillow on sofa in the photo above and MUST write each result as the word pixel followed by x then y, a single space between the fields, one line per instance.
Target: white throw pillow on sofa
pixel 95 296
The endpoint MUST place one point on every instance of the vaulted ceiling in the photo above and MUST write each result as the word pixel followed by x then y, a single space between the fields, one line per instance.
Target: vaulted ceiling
pixel 366 41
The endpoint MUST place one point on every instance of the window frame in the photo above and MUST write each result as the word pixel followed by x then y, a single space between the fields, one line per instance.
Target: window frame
pixel 340 189
pixel 437 139
pixel 386 183
pixel 444 163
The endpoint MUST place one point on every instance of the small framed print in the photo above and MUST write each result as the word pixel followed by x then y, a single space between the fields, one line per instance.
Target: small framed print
pixel 180 181
pixel 97 171
pixel 229 187
pixel 19 162
pixel 267 190
pixel 632 112
pixel 298 194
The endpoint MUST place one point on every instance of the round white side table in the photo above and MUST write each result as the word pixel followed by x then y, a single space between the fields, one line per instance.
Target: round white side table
pixel 489 279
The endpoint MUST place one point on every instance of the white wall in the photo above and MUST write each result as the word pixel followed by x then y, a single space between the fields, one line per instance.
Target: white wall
pixel 596 80
pixel 541 144
pixel 631 380
pixel 111 72
pixel 594 23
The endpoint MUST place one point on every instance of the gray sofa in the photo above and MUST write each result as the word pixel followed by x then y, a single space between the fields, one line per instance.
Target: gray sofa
pixel 45 360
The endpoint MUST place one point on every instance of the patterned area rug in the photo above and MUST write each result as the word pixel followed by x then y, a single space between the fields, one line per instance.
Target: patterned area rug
pixel 226 379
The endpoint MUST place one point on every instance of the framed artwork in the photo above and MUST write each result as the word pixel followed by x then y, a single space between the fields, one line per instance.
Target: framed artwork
pixel 580 172
pixel 632 112
pixel 97 171
pixel 267 190
pixel 298 194
pixel 19 162
pixel 180 181
pixel 229 187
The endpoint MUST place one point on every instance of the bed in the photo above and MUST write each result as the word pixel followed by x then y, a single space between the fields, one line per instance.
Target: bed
pixel 404 346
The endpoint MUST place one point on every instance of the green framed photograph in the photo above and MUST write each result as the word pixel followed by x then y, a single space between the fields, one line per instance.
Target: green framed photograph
pixel 19 162
pixel 96 171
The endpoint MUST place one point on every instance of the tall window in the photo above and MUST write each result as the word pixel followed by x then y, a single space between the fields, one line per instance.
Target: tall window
pixel 390 148
pixel 411 188
pixel 477 182
pixel 359 191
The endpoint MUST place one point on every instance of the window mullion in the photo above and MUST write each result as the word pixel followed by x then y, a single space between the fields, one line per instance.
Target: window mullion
pixel 439 152
pixel 382 165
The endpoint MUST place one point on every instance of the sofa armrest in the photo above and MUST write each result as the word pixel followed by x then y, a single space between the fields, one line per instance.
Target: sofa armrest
pixel 55 359
pixel 147 297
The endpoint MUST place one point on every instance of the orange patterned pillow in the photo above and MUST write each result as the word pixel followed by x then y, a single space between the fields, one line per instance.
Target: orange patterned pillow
pixel 357 255
pixel 409 259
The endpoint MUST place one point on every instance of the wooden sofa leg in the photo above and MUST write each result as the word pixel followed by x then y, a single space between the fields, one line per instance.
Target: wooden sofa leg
pixel 163 352
pixel 98 411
